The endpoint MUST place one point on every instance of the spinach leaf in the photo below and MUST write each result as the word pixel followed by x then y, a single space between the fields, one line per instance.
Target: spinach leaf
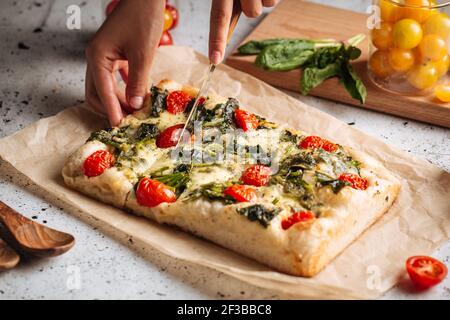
pixel 284 57
pixel 335 184
pixel 313 76
pixel 259 213
pixel 228 113
pixel 255 47
pixel 352 83
pixel 147 130
pixel 158 101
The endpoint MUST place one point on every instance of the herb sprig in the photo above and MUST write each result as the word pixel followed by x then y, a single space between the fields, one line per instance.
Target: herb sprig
pixel 319 59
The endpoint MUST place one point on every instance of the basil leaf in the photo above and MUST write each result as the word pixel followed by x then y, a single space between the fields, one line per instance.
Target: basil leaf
pixel 254 47
pixel 284 57
pixel 259 213
pixel 313 76
pixel 352 83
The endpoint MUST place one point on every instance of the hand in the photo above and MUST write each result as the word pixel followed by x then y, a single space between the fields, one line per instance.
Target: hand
pixel 127 41
pixel 220 22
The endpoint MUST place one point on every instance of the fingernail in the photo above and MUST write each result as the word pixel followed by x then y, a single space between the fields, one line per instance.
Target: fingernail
pixel 136 102
pixel 216 57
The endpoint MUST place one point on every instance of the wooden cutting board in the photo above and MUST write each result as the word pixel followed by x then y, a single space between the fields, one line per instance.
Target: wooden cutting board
pixel 302 19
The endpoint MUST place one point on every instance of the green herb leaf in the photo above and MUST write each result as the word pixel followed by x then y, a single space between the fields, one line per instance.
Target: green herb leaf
pixel 352 83
pixel 284 57
pixel 147 130
pixel 254 47
pixel 313 76
pixel 259 213
pixel 158 101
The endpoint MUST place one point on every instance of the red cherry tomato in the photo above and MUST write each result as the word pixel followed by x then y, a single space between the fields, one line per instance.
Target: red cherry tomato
pixel 315 142
pixel 177 101
pixel 301 216
pixel 175 16
pixel 166 39
pixel 425 271
pixel 245 120
pixel 257 175
pixel 110 7
pixel 97 163
pixel 355 181
pixel 151 193
pixel 241 193
pixel 169 137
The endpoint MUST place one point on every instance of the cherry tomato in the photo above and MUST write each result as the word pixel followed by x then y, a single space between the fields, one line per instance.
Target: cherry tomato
pixel 245 120
pixel 151 193
pixel 97 163
pixel 442 65
pixel 355 181
pixel 382 37
pixel 111 6
pixel 257 175
pixel 423 76
pixel 241 193
pixel 177 101
pixel 438 24
pixel 442 92
pixel 407 34
pixel 175 16
pixel 425 271
pixel 166 39
pixel 168 20
pixel 169 137
pixel 379 64
pixel 315 142
pixel 418 10
pixel 401 60
pixel 389 11
pixel 433 47
pixel 301 216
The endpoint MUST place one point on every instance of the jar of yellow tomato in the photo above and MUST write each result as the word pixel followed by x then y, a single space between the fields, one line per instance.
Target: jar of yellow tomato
pixel 410 45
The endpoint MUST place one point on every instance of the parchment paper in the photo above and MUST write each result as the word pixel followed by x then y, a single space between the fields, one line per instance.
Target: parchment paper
pixel 418 222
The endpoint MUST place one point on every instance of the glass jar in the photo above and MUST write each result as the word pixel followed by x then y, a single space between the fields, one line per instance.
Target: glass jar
pixel 410 45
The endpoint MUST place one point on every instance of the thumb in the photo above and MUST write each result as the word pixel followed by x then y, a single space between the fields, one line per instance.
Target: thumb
pixel 138 80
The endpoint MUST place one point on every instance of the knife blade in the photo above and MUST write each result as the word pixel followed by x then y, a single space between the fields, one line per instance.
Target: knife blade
pixel 209 73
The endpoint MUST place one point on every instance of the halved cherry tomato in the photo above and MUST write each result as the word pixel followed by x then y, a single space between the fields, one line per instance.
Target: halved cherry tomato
pixel 301 216
pixel 241 193
pixel 97 163
pixel 175 16
pixel 425 271
pixel 245 120
pixel 257 175
pixel 166 39
pixel 151 193
pixel 169 137
pixel 110 7
pixel 177 101
pixel 315 142
pixel 356 182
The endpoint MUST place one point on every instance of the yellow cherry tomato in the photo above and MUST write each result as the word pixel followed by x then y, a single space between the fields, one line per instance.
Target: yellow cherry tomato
pixel 442 92
pixel 433 47
pixel 418 58
pixel 407 34
pixel 168 19
pixel 423 76
pixel 438 24
pixel 418 10
pixel 389 11
pixel 442 65
pixel 379 64
pixel 401 60
pixel 382 37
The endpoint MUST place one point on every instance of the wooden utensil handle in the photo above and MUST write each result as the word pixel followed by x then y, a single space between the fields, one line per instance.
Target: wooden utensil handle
pixel 234 18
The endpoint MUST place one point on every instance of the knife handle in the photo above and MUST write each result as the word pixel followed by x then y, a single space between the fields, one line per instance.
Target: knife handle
pixel 234 18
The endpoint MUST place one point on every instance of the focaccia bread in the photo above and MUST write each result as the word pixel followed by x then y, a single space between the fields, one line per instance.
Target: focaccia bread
pixel 290 200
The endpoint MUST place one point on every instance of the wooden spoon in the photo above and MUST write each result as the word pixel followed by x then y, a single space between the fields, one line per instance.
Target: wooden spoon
pixel 8 257
pixel 34 238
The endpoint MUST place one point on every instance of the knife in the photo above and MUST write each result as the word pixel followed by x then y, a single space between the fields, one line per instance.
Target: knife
pixel 207 79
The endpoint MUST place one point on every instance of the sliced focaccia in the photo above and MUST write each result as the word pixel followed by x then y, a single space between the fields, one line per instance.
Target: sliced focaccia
pixel 285 198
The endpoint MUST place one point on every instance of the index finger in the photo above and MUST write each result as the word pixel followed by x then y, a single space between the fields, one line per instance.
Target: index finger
pixel 219 24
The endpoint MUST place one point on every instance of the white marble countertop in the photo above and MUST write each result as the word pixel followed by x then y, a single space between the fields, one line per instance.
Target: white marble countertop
pixel 42 71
